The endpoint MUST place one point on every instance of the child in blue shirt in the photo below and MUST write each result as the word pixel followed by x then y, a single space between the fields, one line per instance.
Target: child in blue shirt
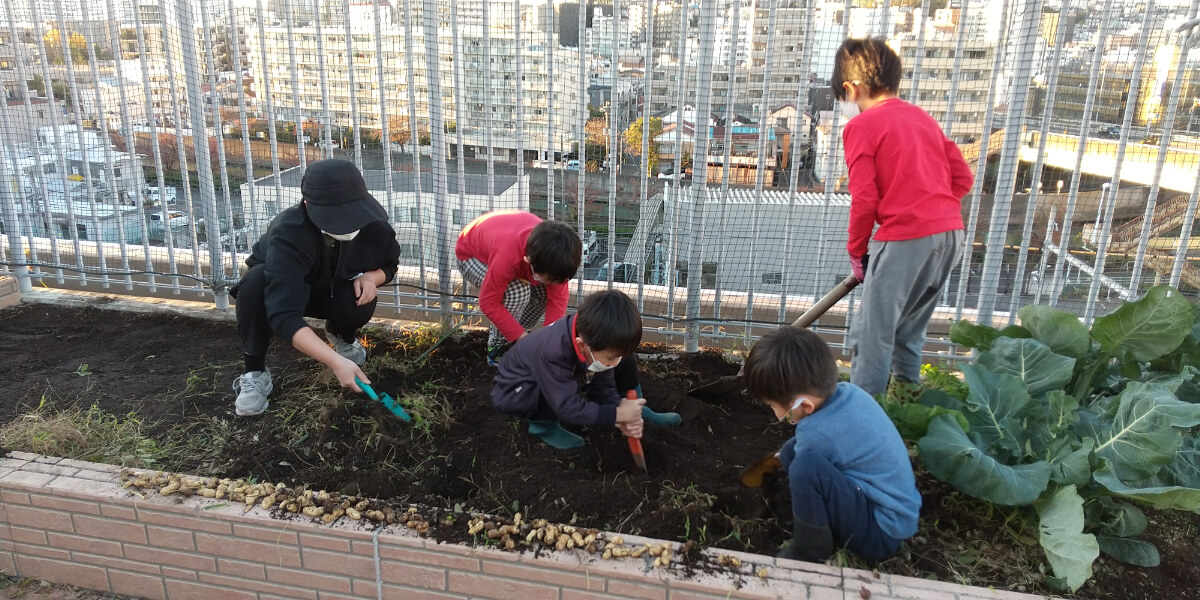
pixel 848 470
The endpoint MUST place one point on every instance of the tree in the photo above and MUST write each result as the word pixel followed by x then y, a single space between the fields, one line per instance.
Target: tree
pixel 118 141
pixel 398 130
pixel 633 140
pixel 78 46
pixel 62 91
pixel 38 85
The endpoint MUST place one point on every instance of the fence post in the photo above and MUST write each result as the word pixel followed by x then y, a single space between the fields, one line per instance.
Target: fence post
pixel 9 192
pixel 1009 161
pixel 204 172
pixel 699 189
pixel 437 137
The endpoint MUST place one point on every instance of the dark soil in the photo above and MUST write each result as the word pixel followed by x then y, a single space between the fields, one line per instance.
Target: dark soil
pixel 174 374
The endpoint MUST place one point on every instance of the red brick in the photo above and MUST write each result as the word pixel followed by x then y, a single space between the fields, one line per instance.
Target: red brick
pixel 6 564
pixel 332 596
pixel 308 579
pixel 165 537
pixel 149 587
pixel 391 592
pixel 193 523
pixel 544 575
pixel 172 573
pixel 27 536
pixel 39 518
pixel 186 590
pixel 10 497
pixel 628 589
pixel 431 578
pixel 118 512
pixel 259 586
pixel 45 460
pixel 43 551
pixel 75 506
pixel 324 542
pixel 183 560
pixel 332 562
pixel 580 595
pixel 90 466
pixel 275 536
pixel 271 554
pixel 238 568
pixel 915 593
pixel 84 544
pixel 92 578
pixel 83 488
pixel 488 586
pixel 110 529
pixel 450 561
pixel 688 595
pixel 117 563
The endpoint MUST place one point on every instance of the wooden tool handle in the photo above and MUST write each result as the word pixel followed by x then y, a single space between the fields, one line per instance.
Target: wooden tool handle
pixel 826 302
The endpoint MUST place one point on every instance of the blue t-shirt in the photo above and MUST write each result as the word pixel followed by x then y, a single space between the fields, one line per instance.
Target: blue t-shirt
pixel 853 432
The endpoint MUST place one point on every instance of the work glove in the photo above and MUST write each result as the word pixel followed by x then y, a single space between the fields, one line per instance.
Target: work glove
pixel 859 267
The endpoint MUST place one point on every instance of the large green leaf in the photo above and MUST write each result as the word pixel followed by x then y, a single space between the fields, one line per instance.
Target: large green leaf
pixel 1063 410
pixel 1161 497
pixel 1147 329
pixel 1128 550
pixel 1032 361
pixel 966 333
pixel 1070 464
pixel 1143 434
pixel 996 406
pixel 1069 550
pixel 953 458
pixel 912 419
pixel 1185 469
pixel 1060 330
pixel 1121 519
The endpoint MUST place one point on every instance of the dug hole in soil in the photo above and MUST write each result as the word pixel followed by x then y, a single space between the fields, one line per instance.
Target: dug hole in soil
pixel 174 373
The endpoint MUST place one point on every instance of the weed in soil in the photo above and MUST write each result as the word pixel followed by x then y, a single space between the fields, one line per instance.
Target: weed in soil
pixel 463 458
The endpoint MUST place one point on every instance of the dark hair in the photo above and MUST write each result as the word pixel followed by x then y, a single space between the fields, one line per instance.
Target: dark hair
pixel 788 362
pixel 609 320
pixel 554 249
pixel 868 61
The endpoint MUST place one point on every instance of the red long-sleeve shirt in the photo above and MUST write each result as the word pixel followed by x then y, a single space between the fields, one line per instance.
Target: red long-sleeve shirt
pixel 905 175
pixel 497 239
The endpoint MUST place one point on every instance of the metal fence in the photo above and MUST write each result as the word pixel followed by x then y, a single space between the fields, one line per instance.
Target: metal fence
pixel 695 145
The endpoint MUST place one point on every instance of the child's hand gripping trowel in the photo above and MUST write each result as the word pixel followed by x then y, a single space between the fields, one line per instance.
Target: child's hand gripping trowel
pixel 385 399
pixel 635 444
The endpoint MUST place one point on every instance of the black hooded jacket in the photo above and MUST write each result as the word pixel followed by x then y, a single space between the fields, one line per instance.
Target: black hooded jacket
pixel 301 260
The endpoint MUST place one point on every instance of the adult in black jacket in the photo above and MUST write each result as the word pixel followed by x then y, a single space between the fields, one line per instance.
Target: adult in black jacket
pixel 325 258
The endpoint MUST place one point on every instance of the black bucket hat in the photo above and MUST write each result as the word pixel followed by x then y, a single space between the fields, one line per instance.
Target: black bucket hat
pixel 336 197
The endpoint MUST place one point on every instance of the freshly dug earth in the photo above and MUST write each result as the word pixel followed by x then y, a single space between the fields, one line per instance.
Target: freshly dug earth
pixel 174 374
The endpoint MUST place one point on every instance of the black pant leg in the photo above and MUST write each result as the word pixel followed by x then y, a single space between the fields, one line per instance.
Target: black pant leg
pixel 251 309
pixel 343 316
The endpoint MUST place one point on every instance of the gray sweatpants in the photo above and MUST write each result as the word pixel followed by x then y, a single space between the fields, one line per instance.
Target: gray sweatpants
pixel 903 282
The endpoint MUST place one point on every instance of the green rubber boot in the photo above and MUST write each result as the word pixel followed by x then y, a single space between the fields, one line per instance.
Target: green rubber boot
pixel 660 419
pixel 552 432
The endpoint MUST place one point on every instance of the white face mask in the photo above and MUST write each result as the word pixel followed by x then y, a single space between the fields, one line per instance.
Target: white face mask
pixel 599 367
pixel 343 237
pixel 849 109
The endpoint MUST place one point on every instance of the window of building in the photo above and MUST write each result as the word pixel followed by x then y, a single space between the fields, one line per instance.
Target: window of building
pixel 774 278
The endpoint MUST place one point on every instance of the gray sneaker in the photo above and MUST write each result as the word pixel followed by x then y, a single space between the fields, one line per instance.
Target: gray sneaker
pixel 253 389
pixel 353 351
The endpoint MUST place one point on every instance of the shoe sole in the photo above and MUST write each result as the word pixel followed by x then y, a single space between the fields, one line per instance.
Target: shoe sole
pixel 239 412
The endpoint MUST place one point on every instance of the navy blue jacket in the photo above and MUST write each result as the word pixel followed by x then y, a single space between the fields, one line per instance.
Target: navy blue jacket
pixel 546 363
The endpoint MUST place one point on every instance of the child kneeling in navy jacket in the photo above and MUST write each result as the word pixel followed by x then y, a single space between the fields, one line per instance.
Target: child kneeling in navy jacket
pixel 848 470
pixel 564 373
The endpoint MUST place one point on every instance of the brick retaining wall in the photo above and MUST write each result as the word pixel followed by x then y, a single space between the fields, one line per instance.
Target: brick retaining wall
pixel 72 522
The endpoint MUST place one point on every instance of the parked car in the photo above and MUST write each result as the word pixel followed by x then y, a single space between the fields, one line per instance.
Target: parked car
pixel 1111 132
pixel 155 197
pixel 572 165
pixel 591 248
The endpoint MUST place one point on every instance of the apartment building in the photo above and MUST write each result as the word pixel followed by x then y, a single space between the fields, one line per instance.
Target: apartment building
pixel 367 52
pixel 936 77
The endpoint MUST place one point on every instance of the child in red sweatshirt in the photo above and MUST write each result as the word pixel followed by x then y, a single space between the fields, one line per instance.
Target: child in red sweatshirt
pixel 521 265
pixel 908 178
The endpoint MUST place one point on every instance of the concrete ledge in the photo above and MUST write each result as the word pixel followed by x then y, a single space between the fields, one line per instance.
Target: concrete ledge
pixel 9 294
pixel 72 522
